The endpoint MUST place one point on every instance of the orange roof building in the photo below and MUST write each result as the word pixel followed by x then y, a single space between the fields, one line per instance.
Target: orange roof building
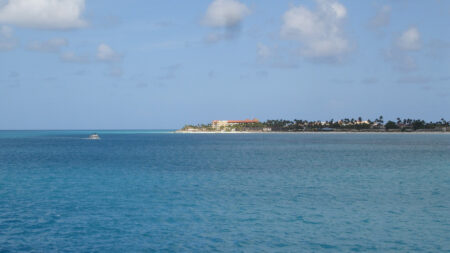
pixel 225 123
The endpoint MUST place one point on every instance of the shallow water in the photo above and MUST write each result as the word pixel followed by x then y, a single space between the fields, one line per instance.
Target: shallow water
pixel 144 191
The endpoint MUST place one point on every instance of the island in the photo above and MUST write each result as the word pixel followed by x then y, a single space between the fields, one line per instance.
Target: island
pixel 297 125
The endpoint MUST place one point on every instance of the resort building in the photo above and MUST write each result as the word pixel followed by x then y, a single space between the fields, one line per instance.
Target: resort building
pixel 217 124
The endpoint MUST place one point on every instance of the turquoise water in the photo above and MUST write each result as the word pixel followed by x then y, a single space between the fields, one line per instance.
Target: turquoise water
pixel 159 191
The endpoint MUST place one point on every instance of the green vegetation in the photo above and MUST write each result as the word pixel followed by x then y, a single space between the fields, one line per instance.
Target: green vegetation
pixel 297 125
pixel 391 125
pixel 199 127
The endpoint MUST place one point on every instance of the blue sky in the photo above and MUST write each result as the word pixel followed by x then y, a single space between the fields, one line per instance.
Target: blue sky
pixel 97 64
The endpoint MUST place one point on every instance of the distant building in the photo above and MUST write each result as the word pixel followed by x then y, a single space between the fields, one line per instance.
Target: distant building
pixel 217 124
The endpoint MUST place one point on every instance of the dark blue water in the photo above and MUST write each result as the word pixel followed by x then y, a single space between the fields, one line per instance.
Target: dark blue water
pixel 144 191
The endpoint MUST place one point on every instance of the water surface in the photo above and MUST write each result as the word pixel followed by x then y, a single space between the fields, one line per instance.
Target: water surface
pixel 159 191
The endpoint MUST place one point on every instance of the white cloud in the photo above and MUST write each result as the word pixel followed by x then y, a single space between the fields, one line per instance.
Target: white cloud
pixel 106 53
pixel 7 40
pixel 225 13
pixel 225 16
pixel 382 18
pixel 400 53
pixel 264 51
pixel 320 32
pixel 409 40
pixel 45 14
pixel 50 46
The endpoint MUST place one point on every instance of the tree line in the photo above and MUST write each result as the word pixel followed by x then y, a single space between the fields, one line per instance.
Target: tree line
pixel 346 124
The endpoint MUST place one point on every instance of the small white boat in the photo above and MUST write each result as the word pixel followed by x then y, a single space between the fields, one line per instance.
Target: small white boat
pixel 94 137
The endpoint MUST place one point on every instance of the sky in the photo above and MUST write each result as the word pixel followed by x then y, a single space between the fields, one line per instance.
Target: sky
pixel 102 64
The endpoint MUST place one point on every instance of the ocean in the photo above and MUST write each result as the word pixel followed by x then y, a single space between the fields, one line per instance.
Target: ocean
pixel 144 191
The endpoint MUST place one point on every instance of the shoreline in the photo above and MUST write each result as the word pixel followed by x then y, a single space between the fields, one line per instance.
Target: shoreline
pixel 311 132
